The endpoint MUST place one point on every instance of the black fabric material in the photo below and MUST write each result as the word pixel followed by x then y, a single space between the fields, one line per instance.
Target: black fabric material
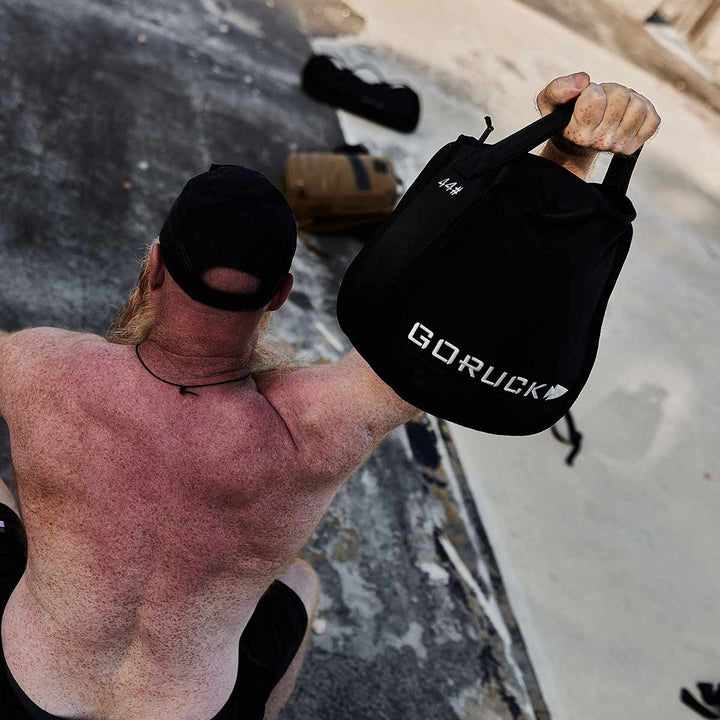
pixel 268 644
pixel 710 697
pixel 397 107
pixel 362 179
pixel 358 149
pixel 13 557
pixel 709 694
pixel 574 438
pixel 229 216
pixel 506 273
pixel 687 699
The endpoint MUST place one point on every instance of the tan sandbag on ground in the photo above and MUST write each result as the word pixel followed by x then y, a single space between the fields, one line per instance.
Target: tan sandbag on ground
pixel 333 191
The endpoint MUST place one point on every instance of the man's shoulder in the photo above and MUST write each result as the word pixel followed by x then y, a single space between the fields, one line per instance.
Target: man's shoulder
pixel 12 344
pixel 298 395
pixel 43 335
pixel 338 413
pixel 32 352
pixel 283 390
pixel 25 348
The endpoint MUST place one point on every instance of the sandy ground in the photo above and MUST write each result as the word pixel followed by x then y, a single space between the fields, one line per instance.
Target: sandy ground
pixel 609 565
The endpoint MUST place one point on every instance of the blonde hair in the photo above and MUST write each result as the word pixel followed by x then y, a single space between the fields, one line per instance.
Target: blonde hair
pixel 136 316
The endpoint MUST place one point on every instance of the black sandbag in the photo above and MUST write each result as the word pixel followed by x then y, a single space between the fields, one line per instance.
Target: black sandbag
pixel 481 298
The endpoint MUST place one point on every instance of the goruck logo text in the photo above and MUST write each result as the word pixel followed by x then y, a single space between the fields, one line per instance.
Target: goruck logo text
pixel 447 353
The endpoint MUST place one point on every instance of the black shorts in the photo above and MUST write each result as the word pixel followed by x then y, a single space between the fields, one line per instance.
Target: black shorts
pixel 268 644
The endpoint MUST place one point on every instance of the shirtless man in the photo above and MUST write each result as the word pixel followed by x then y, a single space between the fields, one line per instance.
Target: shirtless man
pixel 168 482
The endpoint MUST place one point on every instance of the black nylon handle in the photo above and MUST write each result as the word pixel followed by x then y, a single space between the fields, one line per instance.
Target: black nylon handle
pixel 520 142
pixel 619 171
pixel 537 132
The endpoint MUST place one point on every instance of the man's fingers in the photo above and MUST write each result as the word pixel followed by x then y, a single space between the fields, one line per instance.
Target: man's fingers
pixel 561 90
pixel 611 118
pixel 649 127
pixel 632 121
pixel 587 114
pixel 606 134
pixel 608 117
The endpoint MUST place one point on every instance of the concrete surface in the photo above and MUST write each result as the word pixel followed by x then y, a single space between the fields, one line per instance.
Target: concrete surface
pixel 107 109
pixel 610 566
pixel 608 25
pixel 674 41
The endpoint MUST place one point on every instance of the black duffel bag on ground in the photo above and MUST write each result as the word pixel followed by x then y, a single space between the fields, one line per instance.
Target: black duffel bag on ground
pixel 480 299
pixel 395 106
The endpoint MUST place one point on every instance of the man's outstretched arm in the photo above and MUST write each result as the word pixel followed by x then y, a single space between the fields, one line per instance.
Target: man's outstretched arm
pixel 338 414
pixel 607 118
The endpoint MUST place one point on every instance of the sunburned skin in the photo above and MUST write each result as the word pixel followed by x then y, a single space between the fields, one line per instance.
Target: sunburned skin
pixel 155 521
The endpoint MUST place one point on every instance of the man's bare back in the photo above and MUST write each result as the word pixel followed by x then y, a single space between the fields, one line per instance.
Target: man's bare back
pixel 155 522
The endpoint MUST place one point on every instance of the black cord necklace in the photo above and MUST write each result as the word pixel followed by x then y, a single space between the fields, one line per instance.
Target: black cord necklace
pixel 184 388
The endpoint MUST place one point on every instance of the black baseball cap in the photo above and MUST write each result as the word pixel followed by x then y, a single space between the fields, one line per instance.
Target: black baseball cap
pixel 229 216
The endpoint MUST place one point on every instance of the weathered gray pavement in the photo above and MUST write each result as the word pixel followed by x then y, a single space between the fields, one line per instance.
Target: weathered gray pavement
pixel 106 109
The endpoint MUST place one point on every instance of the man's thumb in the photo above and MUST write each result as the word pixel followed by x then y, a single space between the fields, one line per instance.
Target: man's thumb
pixel 561 90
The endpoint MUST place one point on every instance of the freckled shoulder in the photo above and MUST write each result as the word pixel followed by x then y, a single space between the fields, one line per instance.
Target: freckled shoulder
pixel 29 356
pixel 338 413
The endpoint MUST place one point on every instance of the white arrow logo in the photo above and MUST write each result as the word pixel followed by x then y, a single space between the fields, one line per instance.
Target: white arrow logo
pixel 555 391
